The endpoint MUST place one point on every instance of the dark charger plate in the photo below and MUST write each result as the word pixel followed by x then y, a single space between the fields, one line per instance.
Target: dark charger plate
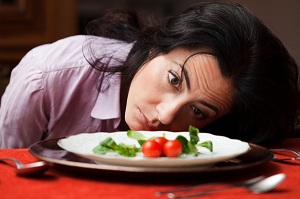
pixel 49 151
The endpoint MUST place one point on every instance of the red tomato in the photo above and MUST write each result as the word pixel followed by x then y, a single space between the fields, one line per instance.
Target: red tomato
pixel 172 148
pixel 160 140
pixel 152 149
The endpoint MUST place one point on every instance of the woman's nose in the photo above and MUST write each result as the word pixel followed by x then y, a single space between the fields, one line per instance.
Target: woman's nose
pixel 167 111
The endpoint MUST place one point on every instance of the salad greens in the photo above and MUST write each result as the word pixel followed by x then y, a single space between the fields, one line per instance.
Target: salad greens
pixel 109 145
pixel 137 136
pixel 188 146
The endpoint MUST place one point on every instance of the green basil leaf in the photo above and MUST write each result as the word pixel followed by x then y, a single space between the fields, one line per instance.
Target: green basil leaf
pixel 141 142
pixel 127 150
pixel 207 144
pixel 101 150
pixel 184 144
pixel 108 142
pixel 136 135
pixel 194 139
pixel 107 145
pixel 192 149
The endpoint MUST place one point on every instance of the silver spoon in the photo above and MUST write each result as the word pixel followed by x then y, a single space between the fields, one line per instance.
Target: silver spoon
pixel 267 184
pixel 28 169
pixel 255 185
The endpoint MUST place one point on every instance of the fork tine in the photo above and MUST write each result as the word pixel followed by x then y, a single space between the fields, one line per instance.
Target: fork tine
pixel 290 150
pixel 285 159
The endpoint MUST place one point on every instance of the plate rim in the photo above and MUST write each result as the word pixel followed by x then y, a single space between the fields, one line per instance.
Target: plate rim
pixel 134 169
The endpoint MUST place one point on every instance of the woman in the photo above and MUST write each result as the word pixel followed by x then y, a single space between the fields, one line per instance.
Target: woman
pixel 215 66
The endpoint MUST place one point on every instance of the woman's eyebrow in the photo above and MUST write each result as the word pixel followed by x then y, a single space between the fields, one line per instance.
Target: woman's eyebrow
pixel 185 73
pixel 186 77
pixel 214 108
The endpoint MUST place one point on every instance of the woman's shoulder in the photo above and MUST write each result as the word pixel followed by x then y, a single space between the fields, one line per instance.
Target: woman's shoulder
pixel 102 47
pixel 75 51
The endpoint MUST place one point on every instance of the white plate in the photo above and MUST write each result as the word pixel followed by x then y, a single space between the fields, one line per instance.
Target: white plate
pixel 223 149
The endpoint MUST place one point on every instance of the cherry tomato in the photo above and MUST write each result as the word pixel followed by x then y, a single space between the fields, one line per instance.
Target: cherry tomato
pixel 160 140
pixel 152 149
pixel 172 148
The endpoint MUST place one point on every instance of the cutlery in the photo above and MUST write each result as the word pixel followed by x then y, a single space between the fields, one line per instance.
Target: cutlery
pixel 27 169
pixel 255 185
pixel 293 155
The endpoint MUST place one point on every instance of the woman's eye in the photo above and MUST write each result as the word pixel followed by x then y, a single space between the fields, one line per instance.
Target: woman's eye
pixel 198 113
pixel 174 79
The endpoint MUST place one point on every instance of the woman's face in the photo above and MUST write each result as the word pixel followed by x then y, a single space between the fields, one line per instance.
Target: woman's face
pixel 162 96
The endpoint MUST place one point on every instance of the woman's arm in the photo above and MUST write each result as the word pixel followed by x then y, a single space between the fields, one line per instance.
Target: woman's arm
pixel 23 118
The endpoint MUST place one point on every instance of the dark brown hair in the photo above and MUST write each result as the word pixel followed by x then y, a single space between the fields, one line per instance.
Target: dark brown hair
pixel 263 74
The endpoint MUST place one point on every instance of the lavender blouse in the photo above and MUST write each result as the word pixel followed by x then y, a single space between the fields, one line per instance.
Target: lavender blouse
pixel 53 92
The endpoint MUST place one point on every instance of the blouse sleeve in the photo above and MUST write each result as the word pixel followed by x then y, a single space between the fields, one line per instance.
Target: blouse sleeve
pixel 23 118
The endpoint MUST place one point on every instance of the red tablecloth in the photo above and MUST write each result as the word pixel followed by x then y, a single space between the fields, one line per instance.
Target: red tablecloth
pixel 60 185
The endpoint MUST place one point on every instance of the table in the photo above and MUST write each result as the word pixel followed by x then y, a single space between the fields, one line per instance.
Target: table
pixel 59 184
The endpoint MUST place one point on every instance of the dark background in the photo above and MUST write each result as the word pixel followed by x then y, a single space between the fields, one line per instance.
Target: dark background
pixel 282 16
pixel 25 24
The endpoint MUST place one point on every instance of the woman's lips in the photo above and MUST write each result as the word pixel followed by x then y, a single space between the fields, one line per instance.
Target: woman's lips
pixel 145 122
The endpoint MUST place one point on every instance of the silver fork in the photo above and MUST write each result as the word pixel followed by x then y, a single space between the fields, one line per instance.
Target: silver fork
pixel 297 153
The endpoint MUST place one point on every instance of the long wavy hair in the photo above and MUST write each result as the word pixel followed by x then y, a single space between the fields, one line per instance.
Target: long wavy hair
pixel 263 74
